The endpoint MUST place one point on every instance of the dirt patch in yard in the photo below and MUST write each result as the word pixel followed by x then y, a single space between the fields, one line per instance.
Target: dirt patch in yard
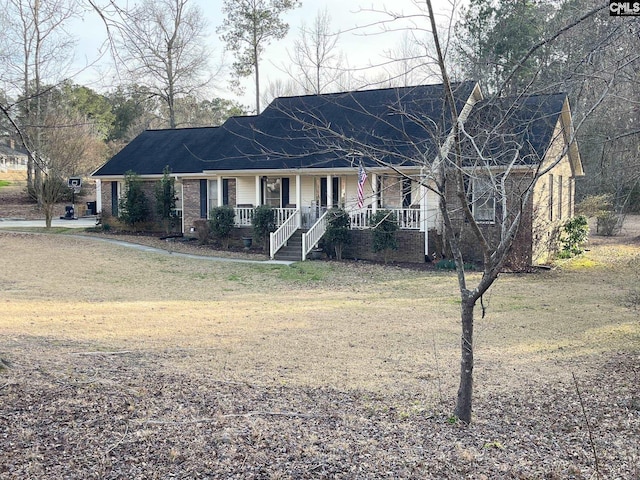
pixel 126 364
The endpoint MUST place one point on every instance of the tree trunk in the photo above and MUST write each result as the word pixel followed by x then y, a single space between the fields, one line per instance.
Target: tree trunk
pixel 48 214
pixel 465 391
pixel 257 70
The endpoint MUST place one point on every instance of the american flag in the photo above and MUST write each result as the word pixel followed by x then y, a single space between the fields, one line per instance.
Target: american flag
pixel 362 177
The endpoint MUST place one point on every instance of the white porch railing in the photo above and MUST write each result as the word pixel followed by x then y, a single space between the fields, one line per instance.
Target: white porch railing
pixel 284 214
pixel 245 214
pixel 407 218
pixel 288 228
pixel 313 236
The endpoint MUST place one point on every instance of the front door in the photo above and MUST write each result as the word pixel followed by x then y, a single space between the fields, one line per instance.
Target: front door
pixel 322 201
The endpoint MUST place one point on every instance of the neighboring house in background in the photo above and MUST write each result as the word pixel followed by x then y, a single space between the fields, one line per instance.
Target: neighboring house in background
pixel 12 160
pixel 303 154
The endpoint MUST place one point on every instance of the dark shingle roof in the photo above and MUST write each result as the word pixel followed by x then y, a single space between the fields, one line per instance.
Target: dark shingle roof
pixel 6 150
pixel 508 128
pixel 152 150
pixel 395 125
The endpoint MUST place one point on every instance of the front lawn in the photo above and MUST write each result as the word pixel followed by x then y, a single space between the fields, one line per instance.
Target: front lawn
pixel 128 364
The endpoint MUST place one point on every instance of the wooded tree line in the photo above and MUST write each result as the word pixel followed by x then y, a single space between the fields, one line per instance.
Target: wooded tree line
pixel 596 62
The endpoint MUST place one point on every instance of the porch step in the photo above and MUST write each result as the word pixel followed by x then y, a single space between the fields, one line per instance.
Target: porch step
pixel 292 251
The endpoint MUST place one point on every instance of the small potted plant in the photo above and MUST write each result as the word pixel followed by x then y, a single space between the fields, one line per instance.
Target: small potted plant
pixel 316 253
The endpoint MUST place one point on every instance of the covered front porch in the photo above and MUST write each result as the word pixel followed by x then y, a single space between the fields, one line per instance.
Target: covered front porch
pixel 301 200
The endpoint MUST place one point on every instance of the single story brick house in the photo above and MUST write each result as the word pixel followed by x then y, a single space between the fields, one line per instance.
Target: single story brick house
pixel 305 154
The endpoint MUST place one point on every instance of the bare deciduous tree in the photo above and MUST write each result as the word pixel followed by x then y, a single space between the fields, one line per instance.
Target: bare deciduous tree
pixel 317 62
pixel 279 88
pixel 489 154
pixel 160 44
pixel 488 171
pixel 35 50
pixel 410 61
pixel 493 38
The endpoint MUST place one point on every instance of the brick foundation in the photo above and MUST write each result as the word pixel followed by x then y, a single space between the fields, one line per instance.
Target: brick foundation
pixel 410 247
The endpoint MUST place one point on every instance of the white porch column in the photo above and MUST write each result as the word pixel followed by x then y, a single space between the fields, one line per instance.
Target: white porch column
pixel 219 199
pixel 98 196
pixel 374 189
pixel 329 191
pixel 424 225
pixel 257 190
pixel 298 192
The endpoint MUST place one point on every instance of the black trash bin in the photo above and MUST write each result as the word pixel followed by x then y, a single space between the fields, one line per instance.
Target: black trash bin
pixel 69 213
pixel 91 208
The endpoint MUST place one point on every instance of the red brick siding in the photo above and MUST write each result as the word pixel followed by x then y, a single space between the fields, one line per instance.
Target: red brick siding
pixel 190 203
pixel 521 253
pixel 410 247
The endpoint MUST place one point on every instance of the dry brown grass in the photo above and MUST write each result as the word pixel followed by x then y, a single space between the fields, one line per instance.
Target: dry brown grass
pixel 365 326
pixel 389 333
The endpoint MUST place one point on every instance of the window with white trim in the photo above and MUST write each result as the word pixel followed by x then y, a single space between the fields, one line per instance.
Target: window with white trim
pixel 560 197
pixel 271 191
pixel 483 200
pixel 213 194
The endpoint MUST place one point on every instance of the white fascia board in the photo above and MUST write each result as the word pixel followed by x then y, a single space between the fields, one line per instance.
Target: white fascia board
pixel 108 178
pixel 499 168
pixel 305 171
pixel 182 176
pixel 568 129
pixel 116 178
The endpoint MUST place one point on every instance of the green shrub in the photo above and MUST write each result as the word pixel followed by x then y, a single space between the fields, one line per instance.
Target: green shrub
pixel 264 222
pixel 133 206
pixel 338 233
pixel 595 205
pixel 384 227
pixel 165 191
pixel 602 208
pixel 573 236
pixel 221 223
pixel 608 224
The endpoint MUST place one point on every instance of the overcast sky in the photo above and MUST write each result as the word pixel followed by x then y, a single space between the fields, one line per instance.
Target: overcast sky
pixel 362 47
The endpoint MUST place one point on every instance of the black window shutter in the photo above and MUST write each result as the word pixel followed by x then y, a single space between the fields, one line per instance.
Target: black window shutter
pixel 203 199
pixel 114 199
pixel 406 192
pixel 285 192
pixel 225 191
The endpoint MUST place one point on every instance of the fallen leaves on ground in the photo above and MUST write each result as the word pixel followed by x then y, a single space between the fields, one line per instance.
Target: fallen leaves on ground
pixel 74 414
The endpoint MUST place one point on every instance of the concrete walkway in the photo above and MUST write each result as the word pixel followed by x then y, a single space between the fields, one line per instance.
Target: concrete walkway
pixel 83 222
pixel 145 248
pixel 88 222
